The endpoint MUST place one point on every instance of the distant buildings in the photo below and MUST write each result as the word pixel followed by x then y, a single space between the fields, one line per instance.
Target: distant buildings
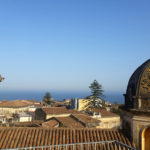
pixel 83 104
pixel 80 104
pixel 18 110
pixel 95 117
pixel 56 124
pixel 76 121
pixel 45 113
pixel 107 119
pixel 16 106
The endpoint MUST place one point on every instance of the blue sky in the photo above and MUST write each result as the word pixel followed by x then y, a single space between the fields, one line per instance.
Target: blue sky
pixel 63 45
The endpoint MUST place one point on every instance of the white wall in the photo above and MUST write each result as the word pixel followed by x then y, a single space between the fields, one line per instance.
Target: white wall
pixel 25 119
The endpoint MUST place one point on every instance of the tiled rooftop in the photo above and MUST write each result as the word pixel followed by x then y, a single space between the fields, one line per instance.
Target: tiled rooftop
pixel 59 110
pixel 104 113
pixel 85 118
pixel 69 122
pixel 36 123
pixel 17 103
pixel 50 124
pixel 26 137
pixel 58 104
pixel 75 121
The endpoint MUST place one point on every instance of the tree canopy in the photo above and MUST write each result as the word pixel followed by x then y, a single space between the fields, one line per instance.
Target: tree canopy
pixel 47 98
pixel 97 93
pixel 96 89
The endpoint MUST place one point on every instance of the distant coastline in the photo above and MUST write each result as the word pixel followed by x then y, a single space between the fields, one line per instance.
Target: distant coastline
pixel 38 95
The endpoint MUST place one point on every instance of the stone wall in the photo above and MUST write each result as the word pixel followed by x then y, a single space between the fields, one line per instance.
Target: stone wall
pixel 40 114
pixel 134 126
pixel 145 104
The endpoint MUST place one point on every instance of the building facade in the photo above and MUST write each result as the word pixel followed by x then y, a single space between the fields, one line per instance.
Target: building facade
pixel 136 118
pixel 108 120
pixel 80 104
pixel 45 113
pixel 7 108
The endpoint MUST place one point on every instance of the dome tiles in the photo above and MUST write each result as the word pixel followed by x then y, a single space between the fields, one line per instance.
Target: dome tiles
pixel 138 90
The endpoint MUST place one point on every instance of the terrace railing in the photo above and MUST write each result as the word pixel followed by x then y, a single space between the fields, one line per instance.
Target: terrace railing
pixel 102 145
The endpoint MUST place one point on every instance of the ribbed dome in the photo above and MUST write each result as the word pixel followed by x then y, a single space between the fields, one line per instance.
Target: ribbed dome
pixel 138 90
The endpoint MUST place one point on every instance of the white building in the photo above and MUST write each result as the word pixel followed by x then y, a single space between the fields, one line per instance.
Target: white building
pixel 23 117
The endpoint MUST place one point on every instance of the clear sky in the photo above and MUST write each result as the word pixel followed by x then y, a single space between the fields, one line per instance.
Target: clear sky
pixel 63 45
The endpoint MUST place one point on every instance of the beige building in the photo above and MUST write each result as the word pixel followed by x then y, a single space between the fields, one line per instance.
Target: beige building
pixel 80 104
pixel 83 104
pixel 7 108
pixel 138 128
pixel 107 119
pixel 45 113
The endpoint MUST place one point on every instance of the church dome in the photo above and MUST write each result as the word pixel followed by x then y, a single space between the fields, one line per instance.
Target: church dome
pixel 138 91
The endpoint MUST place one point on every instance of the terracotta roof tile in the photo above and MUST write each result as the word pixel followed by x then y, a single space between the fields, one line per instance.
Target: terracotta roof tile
pixel 17 103
pixel 58 104
pixel 76 121
pixel 69 122
pixel 26 137
pixel 59 110
pixel 85 118
pixel 35 123
pixel 50 124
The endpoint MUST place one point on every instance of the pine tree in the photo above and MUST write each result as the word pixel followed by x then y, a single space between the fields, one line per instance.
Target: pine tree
pixel 47 98
pixel 97 92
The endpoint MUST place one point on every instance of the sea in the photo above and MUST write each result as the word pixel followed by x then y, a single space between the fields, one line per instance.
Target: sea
pixel 58 95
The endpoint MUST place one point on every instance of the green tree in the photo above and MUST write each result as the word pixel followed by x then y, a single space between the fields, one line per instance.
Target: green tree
pixel 47 98
pixel 97 92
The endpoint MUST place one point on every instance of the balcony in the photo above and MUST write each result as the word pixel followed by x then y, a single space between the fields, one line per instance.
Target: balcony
pixel 102 145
